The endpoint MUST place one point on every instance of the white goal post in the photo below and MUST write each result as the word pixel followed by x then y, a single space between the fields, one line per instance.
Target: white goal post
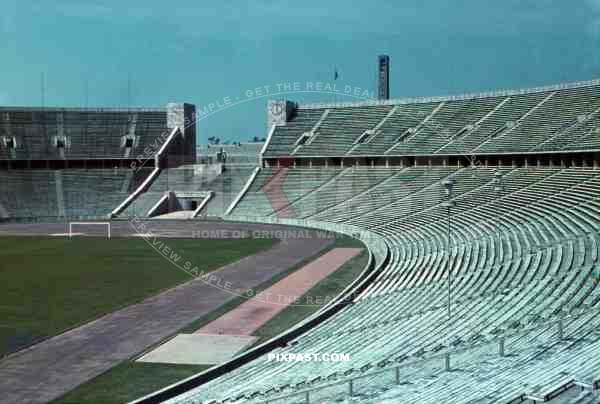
pixel 107 224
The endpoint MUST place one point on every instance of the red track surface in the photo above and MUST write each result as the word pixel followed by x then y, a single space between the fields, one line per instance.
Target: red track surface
pixel 252 314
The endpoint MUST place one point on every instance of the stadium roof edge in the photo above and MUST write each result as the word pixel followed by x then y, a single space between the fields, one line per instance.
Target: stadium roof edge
pixel 406 155
pixel 466 96
pixel 79 109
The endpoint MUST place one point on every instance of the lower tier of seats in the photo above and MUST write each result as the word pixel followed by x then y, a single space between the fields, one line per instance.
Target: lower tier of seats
pixel 37 194
pixel 505 281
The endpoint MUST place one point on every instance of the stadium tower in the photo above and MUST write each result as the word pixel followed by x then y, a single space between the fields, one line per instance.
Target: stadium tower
pixel 383 85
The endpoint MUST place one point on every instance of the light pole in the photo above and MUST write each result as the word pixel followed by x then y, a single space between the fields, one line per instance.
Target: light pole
pixel 449 204
pixel 498 188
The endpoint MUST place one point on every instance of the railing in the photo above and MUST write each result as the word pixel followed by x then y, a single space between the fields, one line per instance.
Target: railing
pixel 421 100
pixel 51 218
pixel 202 204
pixel 445 356
pixel 376 243
pixel 239 196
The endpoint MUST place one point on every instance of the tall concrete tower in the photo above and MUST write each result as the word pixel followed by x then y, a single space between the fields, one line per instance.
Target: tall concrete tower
pixel 383 86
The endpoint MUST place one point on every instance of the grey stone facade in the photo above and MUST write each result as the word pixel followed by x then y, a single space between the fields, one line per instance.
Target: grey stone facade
pixel 279 112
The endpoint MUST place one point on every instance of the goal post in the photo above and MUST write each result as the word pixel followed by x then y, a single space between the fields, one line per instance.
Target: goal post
pixel 71 224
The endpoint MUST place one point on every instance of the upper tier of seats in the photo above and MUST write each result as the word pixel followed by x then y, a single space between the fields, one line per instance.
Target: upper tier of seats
pixel 50 133
pixel 522 245
pixel 565 117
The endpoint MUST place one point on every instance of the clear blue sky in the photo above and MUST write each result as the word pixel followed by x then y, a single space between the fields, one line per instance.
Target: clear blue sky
pixel 195 52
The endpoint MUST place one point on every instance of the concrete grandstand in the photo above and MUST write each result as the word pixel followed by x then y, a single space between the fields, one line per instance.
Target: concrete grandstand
pixel 481 215
pixel 99 163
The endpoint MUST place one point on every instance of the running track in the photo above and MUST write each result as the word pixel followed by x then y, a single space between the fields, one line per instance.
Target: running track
pixel 52 367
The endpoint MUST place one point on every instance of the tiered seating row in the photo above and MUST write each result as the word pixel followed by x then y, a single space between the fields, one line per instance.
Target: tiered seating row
pixel 520 256
pixel 89 134
pixel 550 119
pixel 284 138
pixel 35 194
pixel 342 128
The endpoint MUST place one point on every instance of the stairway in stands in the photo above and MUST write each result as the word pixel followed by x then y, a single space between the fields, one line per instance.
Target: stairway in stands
pixel 272 187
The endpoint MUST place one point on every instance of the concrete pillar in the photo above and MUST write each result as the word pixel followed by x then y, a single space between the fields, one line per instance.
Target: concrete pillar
pixel 350 388
pixel 184 117
pixel 514 163
pixel 309 163
pixel 501 347
pixel 326 163
pixel 447 362
pixel 387 163
pixel 372 163
pixel 397 375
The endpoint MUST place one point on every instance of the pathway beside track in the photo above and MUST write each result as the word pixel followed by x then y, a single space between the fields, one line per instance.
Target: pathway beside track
pixel 252 314
pixel 51 368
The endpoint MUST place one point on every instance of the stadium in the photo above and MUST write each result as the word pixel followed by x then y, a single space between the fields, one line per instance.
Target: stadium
pixel 232 203
pixel 445 247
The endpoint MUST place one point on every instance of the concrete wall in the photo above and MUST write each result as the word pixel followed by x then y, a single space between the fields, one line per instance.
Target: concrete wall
pixel 183 150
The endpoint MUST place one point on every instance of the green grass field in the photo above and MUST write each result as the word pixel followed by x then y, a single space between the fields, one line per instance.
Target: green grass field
pixel 53 284
pixel 131 380
pixel 128 381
